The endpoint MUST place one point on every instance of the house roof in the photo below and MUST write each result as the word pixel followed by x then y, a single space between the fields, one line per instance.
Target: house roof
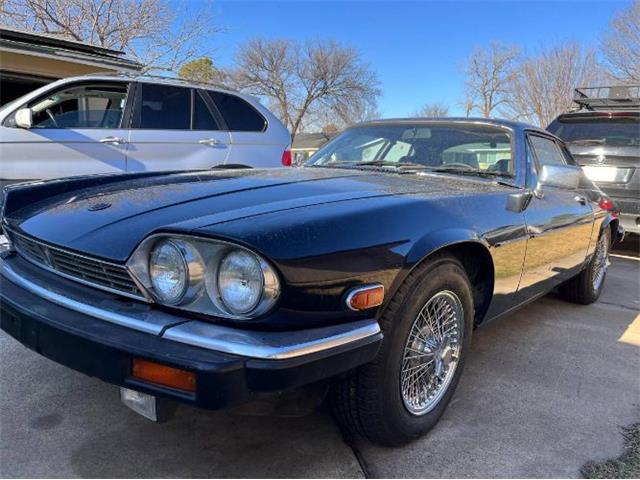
pixel 307 141
pixel 54 46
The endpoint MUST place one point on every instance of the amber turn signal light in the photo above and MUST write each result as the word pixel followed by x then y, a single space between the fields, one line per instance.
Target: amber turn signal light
pixel 362 298
pixel 162 375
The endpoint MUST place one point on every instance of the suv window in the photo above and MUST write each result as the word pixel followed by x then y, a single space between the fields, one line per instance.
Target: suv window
pixel 165 107
pixel 81 106
pixel 598 129
pixel 546 150
pixel 239 115
pixel 202 117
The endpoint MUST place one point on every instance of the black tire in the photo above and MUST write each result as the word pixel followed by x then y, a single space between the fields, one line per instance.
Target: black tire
pixel 369 400
pixel 582 288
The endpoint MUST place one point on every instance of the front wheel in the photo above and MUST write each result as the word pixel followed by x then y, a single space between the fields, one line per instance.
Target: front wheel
pixel 586 287
pixel 427 332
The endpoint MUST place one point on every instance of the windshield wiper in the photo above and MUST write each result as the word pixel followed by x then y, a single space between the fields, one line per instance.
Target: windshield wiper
pixel 471 172
pixel 372 163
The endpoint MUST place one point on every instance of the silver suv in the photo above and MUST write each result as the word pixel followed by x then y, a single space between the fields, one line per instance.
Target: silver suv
pixel 118 123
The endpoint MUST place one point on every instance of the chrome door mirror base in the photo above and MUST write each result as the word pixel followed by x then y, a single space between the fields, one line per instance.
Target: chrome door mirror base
pixel 560 176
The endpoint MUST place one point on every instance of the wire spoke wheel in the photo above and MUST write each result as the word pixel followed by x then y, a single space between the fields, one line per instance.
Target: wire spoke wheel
pixel 600 262
pixel 432 352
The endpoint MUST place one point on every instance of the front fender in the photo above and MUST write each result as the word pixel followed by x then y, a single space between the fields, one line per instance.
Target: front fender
pixel 437 239
pixel 431 243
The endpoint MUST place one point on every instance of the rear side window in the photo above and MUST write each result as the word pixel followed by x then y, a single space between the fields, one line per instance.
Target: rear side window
pixel 202 117
pixel 165 107
pixel 239 115
pixel 546 150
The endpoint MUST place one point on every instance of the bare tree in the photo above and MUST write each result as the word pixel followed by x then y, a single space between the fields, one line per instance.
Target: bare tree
pixel 620 46
pixel 543 86
pixel 305 82
pixel 433 110
pixel 157 33
pixel 489 71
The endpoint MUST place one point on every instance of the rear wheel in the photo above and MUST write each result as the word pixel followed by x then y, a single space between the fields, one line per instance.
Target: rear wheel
pixel 427 332
pixel 586 287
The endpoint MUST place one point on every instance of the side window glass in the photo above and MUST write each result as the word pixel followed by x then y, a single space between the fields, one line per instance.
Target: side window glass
pixel 547 151
pixel 202 117
pixel 238 114
pixel 164 107
pixel 81 106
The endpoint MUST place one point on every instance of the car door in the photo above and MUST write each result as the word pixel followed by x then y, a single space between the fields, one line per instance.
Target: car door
pixel 254 141
pixel 559 223
pixel 77 129
pixel 174 128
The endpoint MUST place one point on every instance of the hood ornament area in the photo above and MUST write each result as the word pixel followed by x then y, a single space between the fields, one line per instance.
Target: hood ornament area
pixel 99 206
pixel 601 159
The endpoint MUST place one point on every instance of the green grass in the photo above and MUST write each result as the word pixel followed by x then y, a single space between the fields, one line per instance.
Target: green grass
pixel 625 466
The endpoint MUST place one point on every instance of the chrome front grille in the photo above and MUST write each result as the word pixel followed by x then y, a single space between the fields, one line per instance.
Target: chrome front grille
pixel 87 270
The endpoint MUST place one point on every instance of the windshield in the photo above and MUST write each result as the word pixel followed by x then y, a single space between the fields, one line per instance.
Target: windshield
pixel 599 130
pixel 440 147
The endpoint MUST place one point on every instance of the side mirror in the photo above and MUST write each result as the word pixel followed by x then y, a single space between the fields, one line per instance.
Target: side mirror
pixel 24 118
pixel 559 176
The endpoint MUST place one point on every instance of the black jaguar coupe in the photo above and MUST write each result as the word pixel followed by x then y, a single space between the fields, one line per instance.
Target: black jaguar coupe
pixel 360 276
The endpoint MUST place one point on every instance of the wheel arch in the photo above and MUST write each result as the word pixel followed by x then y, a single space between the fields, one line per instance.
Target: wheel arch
pixel 473 253
pixel 612 222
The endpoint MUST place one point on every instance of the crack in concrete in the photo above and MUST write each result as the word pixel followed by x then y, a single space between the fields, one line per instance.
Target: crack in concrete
pixel 366 472
pixel 619 305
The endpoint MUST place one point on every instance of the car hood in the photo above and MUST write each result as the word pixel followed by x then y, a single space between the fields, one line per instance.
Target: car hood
pixel 108 221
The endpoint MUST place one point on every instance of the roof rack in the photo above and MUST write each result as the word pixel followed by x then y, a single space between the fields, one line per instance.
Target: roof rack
pixel 169 80
pixel 619 97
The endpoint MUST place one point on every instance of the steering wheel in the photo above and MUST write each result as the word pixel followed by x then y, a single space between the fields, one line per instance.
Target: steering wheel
pixel 50 115
pixel 458 164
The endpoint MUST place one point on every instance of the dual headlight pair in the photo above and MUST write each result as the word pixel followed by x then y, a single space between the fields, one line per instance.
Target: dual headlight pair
pixel 205 276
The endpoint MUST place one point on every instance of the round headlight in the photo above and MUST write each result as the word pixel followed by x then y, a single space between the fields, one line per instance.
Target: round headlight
pixel 168 272
pixel 240 281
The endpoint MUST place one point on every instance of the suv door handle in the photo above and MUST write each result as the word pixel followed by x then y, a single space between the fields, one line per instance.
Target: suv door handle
pixel 114 140
pixel 582 200
pixel 209 141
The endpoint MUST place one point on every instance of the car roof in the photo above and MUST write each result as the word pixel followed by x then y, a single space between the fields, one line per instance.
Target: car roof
pixel 498 122
pixel 600 113
pixel 155 79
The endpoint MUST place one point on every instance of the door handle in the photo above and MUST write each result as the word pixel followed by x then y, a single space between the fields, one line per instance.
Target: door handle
pixel 581 199
pixel 209 141
pixel 114 140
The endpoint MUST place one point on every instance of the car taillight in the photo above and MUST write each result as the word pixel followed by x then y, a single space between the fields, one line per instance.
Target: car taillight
pixel 286 158
pixel 606 204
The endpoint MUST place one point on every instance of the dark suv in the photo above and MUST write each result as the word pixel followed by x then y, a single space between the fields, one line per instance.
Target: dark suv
pixel 603 135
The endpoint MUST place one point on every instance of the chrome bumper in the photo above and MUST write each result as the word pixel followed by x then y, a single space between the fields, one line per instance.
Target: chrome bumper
pixel 264 345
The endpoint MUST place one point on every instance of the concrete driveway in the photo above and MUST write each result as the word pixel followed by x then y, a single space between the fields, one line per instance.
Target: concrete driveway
pixel 545 390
